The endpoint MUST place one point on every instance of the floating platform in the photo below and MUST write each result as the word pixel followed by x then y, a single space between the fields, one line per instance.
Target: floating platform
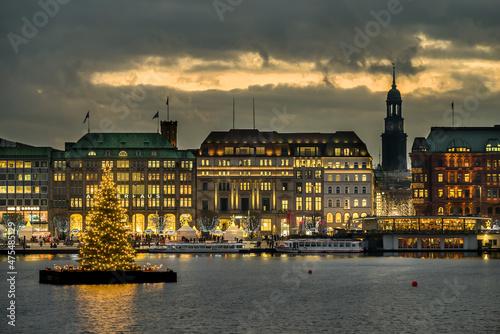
pixel 72 277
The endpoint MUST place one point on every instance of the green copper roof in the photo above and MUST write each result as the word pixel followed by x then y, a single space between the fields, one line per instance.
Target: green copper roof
pixel 124 146
pixel 25 152
pixel 474 139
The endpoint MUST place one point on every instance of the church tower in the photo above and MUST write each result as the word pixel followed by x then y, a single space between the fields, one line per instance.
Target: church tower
pixel 394 138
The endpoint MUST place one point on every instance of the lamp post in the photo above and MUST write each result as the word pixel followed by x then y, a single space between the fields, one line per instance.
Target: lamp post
pixel 480 200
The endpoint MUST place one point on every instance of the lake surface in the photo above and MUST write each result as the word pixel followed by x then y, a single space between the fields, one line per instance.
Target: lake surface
pixel 267 294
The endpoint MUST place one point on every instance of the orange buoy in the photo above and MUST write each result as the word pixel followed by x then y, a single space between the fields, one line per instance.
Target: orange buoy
pixel 310 271
pixel 414 283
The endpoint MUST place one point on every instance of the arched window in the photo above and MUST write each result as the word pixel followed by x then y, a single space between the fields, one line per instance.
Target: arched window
pixel 330 190
pixel 355 190
pixel 356 203
pixel 452 209
pixel 330 203
pixel 363 190
pixel 346 190
pixel 338 218
pixel 440 211
pixel 337 203
pixel 490 210
pixel 347 216
pixel 122 154
pixel 346 204
pixel 347 177
pixel 330 178
pixel 92 153
pixel 355 215
pixel 467 211
pixel 497 210
pixel 363 203
pixel 329 217
pixel 363 214
pixel 337 190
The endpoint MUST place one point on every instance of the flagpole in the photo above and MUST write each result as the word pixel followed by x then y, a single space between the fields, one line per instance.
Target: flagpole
pixel 89 122
pixel 158 124
pixel 168 109
pixel 452 114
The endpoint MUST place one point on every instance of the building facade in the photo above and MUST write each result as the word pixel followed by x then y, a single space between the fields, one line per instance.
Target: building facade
pixel 287 179
pixel 24 185
pixel 457 171
pixel 154 180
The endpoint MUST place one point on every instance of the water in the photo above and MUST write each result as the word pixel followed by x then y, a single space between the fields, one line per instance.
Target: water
pixel 267 294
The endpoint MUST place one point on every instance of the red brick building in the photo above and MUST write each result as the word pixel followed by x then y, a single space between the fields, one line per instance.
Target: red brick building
pixel 457 171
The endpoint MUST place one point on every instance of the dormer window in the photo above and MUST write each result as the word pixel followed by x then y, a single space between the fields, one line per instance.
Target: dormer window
pixel 91 153
pixel 107 152
pixel 122 154
pixel 138 153
pixel 154 153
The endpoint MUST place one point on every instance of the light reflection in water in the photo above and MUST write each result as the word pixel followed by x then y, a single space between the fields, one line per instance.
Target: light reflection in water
pixel 103 308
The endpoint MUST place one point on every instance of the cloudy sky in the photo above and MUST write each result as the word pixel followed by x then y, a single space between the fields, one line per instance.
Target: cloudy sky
pixel 312 66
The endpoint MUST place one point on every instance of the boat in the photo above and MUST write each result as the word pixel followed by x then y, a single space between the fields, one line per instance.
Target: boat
pixel 321 246
pixel 234 247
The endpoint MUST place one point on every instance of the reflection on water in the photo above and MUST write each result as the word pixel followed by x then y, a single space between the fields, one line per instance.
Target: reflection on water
pixel 250 293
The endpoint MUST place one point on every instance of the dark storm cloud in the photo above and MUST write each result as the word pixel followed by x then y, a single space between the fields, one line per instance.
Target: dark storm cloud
pixel 46 86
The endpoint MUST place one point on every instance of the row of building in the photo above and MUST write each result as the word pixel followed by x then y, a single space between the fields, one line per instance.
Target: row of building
pixel 290 181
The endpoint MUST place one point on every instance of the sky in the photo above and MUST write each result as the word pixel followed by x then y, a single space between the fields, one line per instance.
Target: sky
pixel 310 66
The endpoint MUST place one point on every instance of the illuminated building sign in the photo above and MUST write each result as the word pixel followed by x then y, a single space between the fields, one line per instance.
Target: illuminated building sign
pixel 133 196
pixel 23 208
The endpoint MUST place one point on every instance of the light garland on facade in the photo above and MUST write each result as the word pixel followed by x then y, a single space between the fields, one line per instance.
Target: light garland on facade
pixel 106 245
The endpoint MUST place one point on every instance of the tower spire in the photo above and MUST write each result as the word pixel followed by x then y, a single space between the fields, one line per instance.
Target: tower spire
pixel 393 76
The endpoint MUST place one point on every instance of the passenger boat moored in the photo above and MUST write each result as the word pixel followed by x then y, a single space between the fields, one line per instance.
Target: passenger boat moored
pixel 321 246
pixel 235 247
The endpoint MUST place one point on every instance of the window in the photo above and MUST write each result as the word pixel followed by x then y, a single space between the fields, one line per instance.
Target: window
pixel 265 186
pixel 330 190
pixel 154 164
pixel 308 187
pixel 204 186
pixel 245 186
pixel 309 203
pixel 122 164
pixel 299 174
pixel 317 204
pixel 337 190
pixel 298 203
pixel 308 174
pixel 440 177
pixel 356 203
pixel 330 203
pixel 204 204
pixel 170 202
pixel 137 176
pixel 346 204
pixel 356 190
pixel 337 203
pixel 346 190
pixel 363 178
pixel 284 204
pixel 364 190
pixel 317 174
pixel 298 187
pixel 185 202
pixel 285 186
pixel 364 203
pixel 440 192
pixel 338 218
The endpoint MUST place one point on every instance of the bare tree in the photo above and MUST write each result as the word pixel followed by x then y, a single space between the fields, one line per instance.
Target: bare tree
pixel 17 219
pixel 159 222
pixel 207 224
pixel 62 224
pixel 252 225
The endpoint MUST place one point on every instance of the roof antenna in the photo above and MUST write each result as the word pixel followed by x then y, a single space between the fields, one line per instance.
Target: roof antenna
pixel 233 113
pixel 452 114
pixel 393 76
pixel 253 101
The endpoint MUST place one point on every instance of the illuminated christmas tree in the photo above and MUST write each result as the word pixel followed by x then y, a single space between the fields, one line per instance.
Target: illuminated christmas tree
pixel 106 245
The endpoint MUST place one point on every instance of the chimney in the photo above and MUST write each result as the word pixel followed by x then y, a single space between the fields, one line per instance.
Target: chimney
pixel 169 131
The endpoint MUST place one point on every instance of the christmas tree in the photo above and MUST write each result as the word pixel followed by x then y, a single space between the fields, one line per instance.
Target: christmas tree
pixel 106 245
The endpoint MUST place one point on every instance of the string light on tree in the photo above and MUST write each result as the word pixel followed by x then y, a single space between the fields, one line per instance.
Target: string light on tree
pixel 106 245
